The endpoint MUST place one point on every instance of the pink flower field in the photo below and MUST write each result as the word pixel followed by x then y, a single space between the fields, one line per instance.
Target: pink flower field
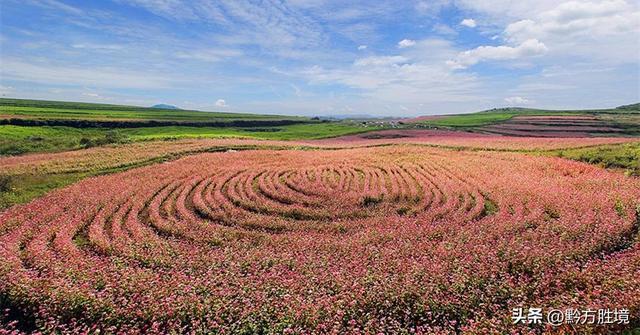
pixel 389 239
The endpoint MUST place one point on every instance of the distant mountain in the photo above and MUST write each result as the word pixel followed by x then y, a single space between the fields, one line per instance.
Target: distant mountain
pixel 164 106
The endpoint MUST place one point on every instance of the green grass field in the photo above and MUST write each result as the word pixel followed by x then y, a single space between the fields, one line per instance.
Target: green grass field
pixel 23 188
pixel 35 109
pixel 16 140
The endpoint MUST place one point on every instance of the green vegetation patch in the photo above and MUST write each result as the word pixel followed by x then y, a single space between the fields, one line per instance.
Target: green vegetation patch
pixel 621 156
pixel 16 140
pixel 22 188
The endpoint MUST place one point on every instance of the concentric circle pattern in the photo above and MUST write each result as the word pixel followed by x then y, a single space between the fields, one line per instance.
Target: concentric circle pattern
pixel 387 239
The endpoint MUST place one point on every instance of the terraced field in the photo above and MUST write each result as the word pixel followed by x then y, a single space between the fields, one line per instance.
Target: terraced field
pixel 525 122
pixel 563 126
pixel 363 240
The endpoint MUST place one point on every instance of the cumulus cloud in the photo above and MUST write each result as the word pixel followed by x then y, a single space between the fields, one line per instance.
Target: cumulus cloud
pixel 604 31
pixel 471 23
pixel 517 101
pixel 406 43
pixel 362 47
pixel 528 48
pixel 600 32
pixel 577 18
pixel 221 103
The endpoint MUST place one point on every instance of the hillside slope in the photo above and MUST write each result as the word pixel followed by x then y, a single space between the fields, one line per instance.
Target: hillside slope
pixel 620 121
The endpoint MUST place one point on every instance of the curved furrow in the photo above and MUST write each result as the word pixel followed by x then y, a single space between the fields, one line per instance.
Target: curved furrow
pixel 391 238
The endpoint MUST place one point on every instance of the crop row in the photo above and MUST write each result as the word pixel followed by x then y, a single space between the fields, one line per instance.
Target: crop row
pixel 111 157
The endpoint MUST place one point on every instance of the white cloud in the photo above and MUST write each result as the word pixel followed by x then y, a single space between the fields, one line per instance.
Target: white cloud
pixel 92 46
pixel 603 31
pixel 517 101
pixel 600 31
pixel 417 76
pixel 506 10
pixel 468 58
pixel 406 43
pixel 379 61
pixel 578 18
pixel 257 40
pixel 471 23
pixel 221 103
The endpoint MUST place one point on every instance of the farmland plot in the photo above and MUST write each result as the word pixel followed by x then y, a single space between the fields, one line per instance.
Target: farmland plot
pixel 389 239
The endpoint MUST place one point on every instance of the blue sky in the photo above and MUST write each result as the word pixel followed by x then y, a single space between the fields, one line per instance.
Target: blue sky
pixel 324 57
